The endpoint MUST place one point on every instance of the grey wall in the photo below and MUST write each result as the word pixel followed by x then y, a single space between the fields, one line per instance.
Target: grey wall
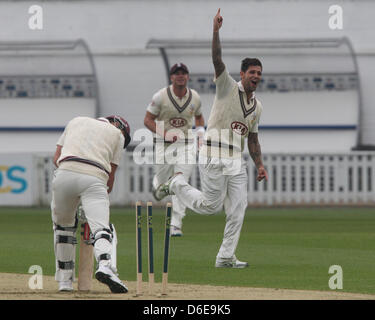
pixel 128 73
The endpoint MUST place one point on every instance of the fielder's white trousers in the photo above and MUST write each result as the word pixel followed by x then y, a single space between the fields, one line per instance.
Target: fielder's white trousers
pixel 224 183
pixel 68 190
pixel 174 158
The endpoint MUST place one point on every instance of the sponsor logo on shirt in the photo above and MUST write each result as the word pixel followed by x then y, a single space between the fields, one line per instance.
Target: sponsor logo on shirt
pixel 177 122
pixel 191 109
pixel 239 128
pixel 253 118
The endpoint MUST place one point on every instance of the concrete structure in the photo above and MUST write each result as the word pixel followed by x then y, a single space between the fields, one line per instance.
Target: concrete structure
pixel 117 33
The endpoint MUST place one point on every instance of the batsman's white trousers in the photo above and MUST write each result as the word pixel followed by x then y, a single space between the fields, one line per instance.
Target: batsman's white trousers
pixel 224 183
pixel 68 189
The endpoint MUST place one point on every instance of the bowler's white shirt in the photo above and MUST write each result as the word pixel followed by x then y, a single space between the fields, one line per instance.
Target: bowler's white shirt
pixel 231 118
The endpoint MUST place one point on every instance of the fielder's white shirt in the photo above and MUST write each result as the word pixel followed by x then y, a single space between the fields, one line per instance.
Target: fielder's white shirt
pixel 94 140
pixel 231 119
pixel 176 113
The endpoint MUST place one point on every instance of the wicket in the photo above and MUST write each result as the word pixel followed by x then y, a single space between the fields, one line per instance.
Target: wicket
pixel 138 212
pixel 150 249
pixel 151 278
pixel 166 249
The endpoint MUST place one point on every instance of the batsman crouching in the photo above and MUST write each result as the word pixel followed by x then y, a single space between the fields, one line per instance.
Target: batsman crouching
pixel 87 155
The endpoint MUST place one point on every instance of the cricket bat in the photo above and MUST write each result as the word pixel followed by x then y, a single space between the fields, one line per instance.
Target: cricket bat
pixel 86 260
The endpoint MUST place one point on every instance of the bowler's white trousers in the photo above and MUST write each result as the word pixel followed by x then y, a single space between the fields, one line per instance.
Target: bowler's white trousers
pixel 223 182
pixel 68 189
pixel 162 174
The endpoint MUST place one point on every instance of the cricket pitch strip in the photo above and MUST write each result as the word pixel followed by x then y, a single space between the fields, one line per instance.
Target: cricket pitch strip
pixel 15 287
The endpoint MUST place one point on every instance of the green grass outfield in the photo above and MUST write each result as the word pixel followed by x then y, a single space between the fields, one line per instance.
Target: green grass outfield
pixel 287 248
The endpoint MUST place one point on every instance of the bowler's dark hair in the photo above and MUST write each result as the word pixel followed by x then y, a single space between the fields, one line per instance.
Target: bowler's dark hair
pixel 247 62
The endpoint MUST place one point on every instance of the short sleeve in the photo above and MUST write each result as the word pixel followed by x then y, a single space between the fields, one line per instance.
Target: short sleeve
pixel 61 140
pixel 155 105
pixel 255 125
pixel 118 150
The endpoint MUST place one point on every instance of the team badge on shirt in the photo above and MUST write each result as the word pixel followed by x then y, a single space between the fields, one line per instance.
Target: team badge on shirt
pixel 177 122
pixel 239 128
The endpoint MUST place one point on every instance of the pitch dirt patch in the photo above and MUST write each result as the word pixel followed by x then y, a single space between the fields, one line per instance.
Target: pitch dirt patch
pixel 15 287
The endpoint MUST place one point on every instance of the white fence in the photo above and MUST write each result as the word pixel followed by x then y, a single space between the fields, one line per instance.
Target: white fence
pixel 294 179
pixel 315 179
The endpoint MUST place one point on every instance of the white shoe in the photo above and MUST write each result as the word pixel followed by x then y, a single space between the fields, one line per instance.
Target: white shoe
pixel 66 286
pixel 176 232
pixel 163 190
pixel 105 275
pixel 231 263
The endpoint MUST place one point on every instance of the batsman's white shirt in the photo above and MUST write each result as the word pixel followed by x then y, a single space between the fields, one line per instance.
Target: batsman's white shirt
pixel 94 140
pixel 175 114
pixel 223 183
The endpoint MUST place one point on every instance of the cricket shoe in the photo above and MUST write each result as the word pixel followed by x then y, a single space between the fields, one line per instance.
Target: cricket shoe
pixel 66 286
pixel 163 190
pixel 231 263
pixel 105 275
pixel 176 232
pixel 153 193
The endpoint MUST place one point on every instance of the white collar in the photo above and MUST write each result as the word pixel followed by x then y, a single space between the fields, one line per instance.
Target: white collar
pixel 185 95
pixel 240 86
pixel 103 119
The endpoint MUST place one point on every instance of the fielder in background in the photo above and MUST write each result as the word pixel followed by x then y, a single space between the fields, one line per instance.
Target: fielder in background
pixel 170 117
pixel 234 116
pixel 87 155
